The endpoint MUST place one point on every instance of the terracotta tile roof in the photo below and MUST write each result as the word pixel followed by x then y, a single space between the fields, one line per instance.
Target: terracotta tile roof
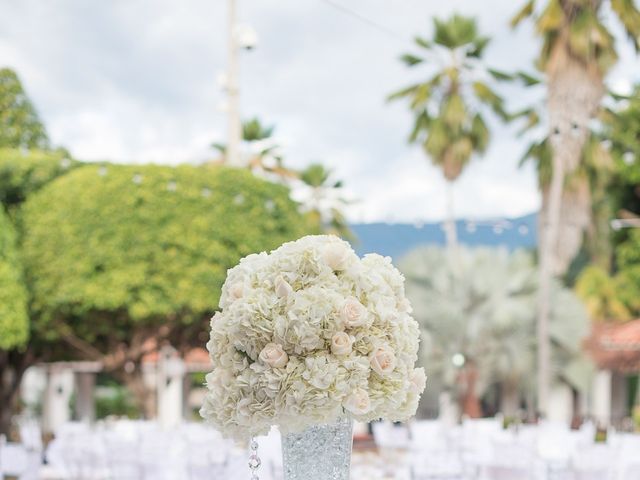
pixel 616 346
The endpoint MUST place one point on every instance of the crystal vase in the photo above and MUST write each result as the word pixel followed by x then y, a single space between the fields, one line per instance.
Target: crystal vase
pixel 321 452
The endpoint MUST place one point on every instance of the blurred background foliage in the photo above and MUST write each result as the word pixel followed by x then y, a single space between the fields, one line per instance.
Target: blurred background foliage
pixel 14 320
pixel 20 126
pixel 476 308
pixel 23 172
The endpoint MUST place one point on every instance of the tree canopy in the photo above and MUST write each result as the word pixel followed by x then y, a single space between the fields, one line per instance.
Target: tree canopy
pixel 20 126
pixel 111 249
pixel 24 172
pixel 14 322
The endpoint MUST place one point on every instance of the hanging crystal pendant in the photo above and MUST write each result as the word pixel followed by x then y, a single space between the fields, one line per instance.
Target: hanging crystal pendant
pixel 254 459
pixel 321 452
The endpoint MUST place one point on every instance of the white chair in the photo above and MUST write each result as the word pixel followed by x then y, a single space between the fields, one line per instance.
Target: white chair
pixel 593 462
pixel 122 458
pixel 631 472
pixel 389 435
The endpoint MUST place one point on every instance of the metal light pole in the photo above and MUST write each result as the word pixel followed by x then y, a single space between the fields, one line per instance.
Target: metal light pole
pixel 234 133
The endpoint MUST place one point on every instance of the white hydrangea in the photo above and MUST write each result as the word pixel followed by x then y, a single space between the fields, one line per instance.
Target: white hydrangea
pixel 307 333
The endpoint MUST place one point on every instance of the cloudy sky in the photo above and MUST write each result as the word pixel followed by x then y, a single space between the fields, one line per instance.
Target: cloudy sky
pixel 135 81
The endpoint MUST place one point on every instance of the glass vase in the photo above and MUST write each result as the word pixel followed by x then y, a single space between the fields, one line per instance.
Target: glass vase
pixel 321 452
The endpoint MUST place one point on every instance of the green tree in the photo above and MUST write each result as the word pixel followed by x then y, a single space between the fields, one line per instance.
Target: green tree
pixel 602 295
pixel 577 52
pixel 25 172
pixel 324 200
pixel 20 126
pixel 121 256
pixel 612 296
pixel 21 174
pixel 449 105
pixel 14 321
pixel 480 303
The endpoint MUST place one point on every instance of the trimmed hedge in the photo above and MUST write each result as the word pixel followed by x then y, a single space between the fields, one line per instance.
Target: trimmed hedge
pixel 110 247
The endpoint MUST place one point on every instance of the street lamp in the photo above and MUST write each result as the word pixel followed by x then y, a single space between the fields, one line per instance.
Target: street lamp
pixel 239 37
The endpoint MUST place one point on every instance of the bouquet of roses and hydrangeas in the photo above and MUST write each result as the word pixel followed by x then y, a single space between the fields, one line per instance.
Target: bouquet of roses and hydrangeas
pixel 309 333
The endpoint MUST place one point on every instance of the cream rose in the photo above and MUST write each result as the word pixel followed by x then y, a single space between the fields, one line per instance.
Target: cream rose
pixel 358 402
pixel 283 289
pixel 273 355
pixel 418 380
pixel 353 313
pixel 337 255
pixel 341 344
pixel 382 360
pixel 237 290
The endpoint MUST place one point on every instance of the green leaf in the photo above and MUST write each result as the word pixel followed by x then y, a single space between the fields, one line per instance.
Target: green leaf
pixel 14 320
pixel 423 42
pixel 551 18
pixel 20 126
pixel 411 59
pixel 478 47
pixel 479 133
pixel 487 96
pixel 525 12
pixel 500 75
pixel 629 15
pixel 405 92
pixel 528 79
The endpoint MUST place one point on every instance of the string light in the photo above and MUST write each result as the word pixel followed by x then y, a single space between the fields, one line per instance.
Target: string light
pixel 270 205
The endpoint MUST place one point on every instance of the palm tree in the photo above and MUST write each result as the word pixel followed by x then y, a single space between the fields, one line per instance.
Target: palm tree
pixel 449 105
pixel 576 54
pixel 322 198
pixel 261 151
pixel 478 320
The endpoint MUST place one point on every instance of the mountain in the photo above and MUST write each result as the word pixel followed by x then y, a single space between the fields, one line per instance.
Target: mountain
pixel 397 239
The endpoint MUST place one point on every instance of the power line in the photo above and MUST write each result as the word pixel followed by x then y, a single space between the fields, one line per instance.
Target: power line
pixel 352 13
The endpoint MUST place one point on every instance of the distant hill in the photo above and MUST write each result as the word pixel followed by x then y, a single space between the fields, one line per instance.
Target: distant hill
pixel 397 239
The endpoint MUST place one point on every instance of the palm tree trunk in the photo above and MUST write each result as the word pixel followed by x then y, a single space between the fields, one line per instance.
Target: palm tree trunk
pixel 574 222
pixel 468 379
pixel 575 91
pixel 546 243
pixel 450 221
pixel 509 398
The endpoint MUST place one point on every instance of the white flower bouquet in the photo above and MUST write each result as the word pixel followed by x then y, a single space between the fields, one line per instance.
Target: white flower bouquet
pixel 308 333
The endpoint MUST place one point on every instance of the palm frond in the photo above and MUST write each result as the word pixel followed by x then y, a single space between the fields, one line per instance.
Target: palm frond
pixel 551 18
pixel 500 75
pixel 405 92
pixel 423 42
pixel 487 96
pixel 525 12
pixel 411 60
pixel 629 15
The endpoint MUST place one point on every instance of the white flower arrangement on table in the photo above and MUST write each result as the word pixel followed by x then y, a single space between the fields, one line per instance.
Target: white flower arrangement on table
pixel 308 333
